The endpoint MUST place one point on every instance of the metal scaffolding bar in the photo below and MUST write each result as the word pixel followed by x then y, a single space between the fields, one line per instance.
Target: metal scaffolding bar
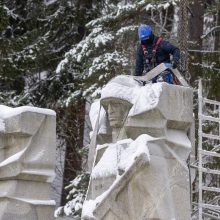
pixel 211 189
pixel 213 102
pixel 206 206
pixel 211 136
pixel 200 149
pixel 210 153
pixel 209 118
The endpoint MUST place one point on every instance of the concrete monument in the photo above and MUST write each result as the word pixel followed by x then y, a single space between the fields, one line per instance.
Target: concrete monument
pixel 143 173
pixel 117 109
pixel 110 114
pixel 27 159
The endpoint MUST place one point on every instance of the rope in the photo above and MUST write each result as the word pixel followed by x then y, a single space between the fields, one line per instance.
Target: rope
pixel 183 38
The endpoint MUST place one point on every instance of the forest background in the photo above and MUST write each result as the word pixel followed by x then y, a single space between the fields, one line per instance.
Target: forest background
pixel 58 54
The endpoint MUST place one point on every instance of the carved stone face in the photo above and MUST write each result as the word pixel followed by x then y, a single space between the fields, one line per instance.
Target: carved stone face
pixel 117 111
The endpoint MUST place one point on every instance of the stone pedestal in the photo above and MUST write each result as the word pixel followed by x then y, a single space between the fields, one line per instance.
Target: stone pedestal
pixel 27 160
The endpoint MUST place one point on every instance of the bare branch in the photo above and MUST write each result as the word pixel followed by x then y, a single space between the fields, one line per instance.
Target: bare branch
pixel 214 29
pixel 157 24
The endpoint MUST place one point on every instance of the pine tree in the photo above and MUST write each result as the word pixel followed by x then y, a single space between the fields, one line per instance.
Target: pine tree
pixel 108 50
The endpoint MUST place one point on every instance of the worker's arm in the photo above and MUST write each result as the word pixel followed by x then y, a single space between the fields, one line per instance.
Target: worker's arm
pixel 139 61
pixel 171 49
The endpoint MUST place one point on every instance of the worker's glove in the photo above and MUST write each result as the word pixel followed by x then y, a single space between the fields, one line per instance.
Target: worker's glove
pixel 174 64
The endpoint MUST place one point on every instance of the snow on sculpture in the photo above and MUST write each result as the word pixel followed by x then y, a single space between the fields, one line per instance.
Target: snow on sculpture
pixel 111 114
pixel 143 173
pixel 104 133
pixel 27 159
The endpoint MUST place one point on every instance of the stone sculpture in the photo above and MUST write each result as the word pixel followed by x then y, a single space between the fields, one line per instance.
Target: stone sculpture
pixel 117 110
pixel 27 159
pixel 103 131
pixel 117 104
pixel 154 182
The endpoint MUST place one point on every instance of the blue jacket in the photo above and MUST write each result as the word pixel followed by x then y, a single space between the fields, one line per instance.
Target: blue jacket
pixel 164 50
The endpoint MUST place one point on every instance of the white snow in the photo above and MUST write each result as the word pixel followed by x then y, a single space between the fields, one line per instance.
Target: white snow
pixel 121 155
pixel 38 202
pixel 126 29
pixel 107 166
pixel 78 206
pixel 10 13
pixel 91 54
pixel 57 212
pixel 149 6
pixel 7 112
pixel 121 87
pixel 145 98
pixel 31 51
pixel 136 148
pixel 61 65
pixel 102 62
pixel 166 5
pixel 49 2
pixel 93 115
pixel 86 47
pixel 117 156
pixel 116 91
pixel 102 39
pixel 73 205
pixel 126 88
pixel 43 75
pixel 76 198
pixel 76 181
pixel 88 208
pixel 90 205
pixel 96 92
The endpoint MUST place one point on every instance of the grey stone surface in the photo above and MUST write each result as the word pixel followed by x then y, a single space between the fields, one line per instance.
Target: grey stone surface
pixel 64 218
pixel 27 159
pixel 155 184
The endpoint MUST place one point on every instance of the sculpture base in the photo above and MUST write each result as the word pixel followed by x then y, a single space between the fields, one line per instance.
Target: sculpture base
pixel 21 200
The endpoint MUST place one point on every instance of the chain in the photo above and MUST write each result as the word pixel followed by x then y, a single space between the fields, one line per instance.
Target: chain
pixel 183 38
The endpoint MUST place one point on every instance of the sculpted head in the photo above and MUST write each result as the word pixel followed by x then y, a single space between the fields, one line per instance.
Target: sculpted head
pixel 117 99
pixel 117 111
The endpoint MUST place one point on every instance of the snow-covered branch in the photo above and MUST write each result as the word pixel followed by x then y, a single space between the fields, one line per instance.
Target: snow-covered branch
pixel 214 29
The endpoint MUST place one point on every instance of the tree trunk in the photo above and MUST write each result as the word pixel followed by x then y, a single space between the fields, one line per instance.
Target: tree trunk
pixel 217 33
pixel 196 22
pixel 73 128
pixel 183 38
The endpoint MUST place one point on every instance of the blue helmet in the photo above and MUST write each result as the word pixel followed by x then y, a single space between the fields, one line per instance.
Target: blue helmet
pixel 144 32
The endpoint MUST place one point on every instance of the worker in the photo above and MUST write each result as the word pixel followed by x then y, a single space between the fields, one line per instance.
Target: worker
pixel 152 51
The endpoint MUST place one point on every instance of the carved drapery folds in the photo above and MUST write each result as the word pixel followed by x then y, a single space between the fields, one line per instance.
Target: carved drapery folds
pixel 27 159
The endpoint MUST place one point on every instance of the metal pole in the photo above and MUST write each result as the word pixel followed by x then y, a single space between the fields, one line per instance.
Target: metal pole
pixel 200 148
